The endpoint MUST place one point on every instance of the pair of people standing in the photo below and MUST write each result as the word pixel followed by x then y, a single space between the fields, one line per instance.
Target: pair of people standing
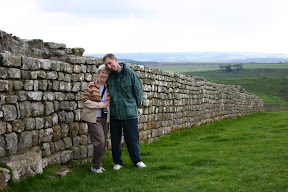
pixel 124 91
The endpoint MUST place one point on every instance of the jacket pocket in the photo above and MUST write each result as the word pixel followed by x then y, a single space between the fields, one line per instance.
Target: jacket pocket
pixel 131 110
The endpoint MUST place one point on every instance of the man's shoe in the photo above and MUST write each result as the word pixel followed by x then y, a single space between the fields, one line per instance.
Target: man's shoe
pixel 140 164
pixel 96 170
pixel 102 168
pixel 117 167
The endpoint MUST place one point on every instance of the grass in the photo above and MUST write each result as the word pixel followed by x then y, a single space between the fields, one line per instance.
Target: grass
pixel 272 91
pixel 247 73
pixel 244 154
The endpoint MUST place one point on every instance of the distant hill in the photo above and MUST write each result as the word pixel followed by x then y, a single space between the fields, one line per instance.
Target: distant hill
pixel 200 57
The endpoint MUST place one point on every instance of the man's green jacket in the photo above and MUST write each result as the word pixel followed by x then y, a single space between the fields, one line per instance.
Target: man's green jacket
pixel 126 91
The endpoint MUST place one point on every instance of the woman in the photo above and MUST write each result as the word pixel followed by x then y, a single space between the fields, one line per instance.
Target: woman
pixel 96 113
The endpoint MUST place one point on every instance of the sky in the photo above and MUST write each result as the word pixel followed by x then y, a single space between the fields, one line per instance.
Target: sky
pixel 132 26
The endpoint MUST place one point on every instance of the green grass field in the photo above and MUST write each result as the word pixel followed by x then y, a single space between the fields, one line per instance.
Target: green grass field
pixel 196 67
pixel 244 154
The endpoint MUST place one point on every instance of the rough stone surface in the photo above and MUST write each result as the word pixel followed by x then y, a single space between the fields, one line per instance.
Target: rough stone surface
pixel 9 112
pixel 66 156
pixel 25 141
pixel 4 177
pixel 24 165
pixel 11 143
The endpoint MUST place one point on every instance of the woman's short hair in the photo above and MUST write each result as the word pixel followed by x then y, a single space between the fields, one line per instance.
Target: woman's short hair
pixel 102 68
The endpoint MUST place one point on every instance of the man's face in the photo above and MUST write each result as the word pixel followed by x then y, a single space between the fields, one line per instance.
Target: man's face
pixel 111 63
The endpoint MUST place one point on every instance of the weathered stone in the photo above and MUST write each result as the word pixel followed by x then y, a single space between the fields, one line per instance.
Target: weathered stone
pixel 45 64
pixel 21 95
pixel 55 66
pixel 14 73
pixel 35 95
pixel 25 109
pixel 49 108
pixel 2 152
pixel 52 147
pixel 69 117
pixel 46 135
pixel 11 143
pixel 77 115
pixel 30 123
pixel 83 140
pixel 83 152
pixel 35 137
pixel 56 106
pixel 62 116
pixel 11 99
pixel 18 126
pixel 58 53
pixel 52 75
pixel 25 141
pixel 7 59
pixel 50 96
pixel 24 165
pixel 30 63
pixel 4 85
pixel 26 75
pixel 76 153
pixel 83 128
pixel 59 96
pixel 52 45
pixel 9 112
pixel 37 109
pixel 90 150
pixel 18 85
pixel 28 85
pixel 76 87
pixel 59 145
pixel 54 159
pixel 46 149
pixel 73 129
pixel 39 123
pixel 66 156
pixel 3 73
pixel 67 142
pixel 76 141
pixel 4 178
pixel 48 121
pixel 56 133
pixel 55 119
pixel 64 130
pixel 9 128
pixel 3 126
pixel 43 85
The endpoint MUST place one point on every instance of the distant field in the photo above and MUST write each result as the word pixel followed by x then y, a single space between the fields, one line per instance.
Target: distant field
pixel 246 73
pixel 194 67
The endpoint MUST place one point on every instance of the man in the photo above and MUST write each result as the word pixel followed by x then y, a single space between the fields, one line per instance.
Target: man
pixel 126 91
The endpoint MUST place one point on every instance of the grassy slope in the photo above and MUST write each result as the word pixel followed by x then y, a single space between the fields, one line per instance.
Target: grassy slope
pixel 272 91
pixel 245 154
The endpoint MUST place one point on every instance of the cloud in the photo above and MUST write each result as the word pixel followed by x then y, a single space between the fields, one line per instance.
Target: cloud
pixel 151 25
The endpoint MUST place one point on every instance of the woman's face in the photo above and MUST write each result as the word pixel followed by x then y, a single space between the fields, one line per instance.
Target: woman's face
pixel 103 76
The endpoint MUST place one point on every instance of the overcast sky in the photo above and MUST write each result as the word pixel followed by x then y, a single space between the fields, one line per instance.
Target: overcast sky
pixel 119 26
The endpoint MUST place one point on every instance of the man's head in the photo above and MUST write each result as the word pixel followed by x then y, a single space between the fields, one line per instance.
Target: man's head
pixel 111 62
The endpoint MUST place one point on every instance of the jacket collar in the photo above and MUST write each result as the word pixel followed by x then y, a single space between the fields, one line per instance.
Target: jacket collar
pixel 123 71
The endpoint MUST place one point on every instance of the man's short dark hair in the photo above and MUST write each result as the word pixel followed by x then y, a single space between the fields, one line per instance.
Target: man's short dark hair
pixel 109 55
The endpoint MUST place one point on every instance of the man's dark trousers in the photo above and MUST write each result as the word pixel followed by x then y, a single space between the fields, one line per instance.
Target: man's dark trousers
pixel 131 137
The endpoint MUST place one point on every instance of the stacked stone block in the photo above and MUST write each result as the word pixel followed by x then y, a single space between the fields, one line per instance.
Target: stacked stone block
pixel 41 87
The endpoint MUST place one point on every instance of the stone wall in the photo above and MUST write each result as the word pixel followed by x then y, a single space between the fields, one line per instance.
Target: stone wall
pixel 41 87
